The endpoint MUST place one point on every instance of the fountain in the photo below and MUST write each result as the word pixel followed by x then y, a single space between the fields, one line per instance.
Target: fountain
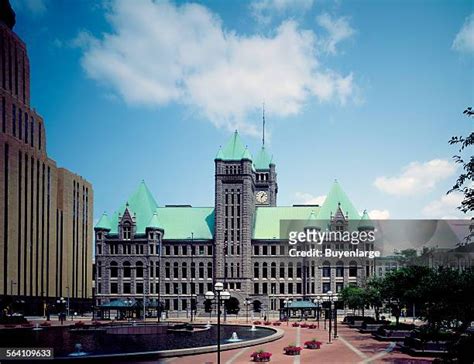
pixel 37 328
pixel 78 350
pixel 234 338
pixel 253 328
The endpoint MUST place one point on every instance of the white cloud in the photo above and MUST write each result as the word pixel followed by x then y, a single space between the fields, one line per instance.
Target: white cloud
pixel 160 53
pixel 34 7
pixel 445 207
pixel 309 199
pixel 338 29
pixel 416 177
pixel 379 214
pixel 264 10
pixel 464 40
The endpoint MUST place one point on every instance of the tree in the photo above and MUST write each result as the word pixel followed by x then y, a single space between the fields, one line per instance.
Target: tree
pixel 353 297
pixel 373 295
pixel 463 183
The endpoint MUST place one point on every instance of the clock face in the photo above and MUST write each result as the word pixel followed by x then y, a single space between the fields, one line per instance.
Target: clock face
pixel 261 197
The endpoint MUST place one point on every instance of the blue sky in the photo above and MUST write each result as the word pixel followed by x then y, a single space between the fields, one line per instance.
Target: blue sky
pixel 366 92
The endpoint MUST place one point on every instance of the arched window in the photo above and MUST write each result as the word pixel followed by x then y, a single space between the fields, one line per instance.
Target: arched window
pixel 290 270
pixel 256 270
pixel 340 269
pixel 139 270
pixel 193 270
pixel 273 270
pixel 282 270
pixel 167 270
pixel 326 269
pixel 184 270
pixel 201 270
pixel 209 270
pixel 298 270
pixel 127 270
pixel 264 270
pixel 175 270
pixel 113 269
pixel 353 269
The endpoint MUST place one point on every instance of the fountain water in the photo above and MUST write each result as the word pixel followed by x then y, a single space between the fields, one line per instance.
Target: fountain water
pixel 37 328
pixel 78 350
pixel 234 338
pixel 253 328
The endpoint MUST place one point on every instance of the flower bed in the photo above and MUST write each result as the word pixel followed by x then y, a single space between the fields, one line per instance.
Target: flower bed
pixel 304 325
pixel 292 350
pixel 261 356
pixel 278 323
pixel 295 324
pixel 257 322
pixel 313 344
pixel 312 326
pixel 267 323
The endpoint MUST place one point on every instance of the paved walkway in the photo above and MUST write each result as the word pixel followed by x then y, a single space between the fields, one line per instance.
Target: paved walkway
pixel 350 347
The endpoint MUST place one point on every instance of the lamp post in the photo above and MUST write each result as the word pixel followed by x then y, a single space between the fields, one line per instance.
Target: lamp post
pixel 334 300
pixel 317 301
pixel 330 297
pixel 287 306
pixel 221 296
pixel 61 301
pixel 128 302
pixel 247 303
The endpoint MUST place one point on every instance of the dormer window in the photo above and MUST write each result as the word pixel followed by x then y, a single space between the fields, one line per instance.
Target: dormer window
pixel 126 232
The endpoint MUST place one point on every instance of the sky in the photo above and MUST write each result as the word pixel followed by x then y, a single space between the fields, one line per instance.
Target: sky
pixel 365 92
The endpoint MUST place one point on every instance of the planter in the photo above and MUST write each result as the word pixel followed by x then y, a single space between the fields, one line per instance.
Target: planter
pixel 295 324
pixel 261 356
pixel 312 326
pixel 257 322
pixel 304 326
pixel 313 344
pixel 292 350
pixel 267 323
pixel 278 323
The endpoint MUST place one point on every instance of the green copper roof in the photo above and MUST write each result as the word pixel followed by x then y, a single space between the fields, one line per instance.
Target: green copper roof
pixel 153 223
pixel 335 197
pixel 263 159
pixel 234 150
pixel 247 154
pixel 141 205
pixel 104 222
pixel 365 222
pixel 312 221
pixel 179 222
pixel 267 219
pixel 220 154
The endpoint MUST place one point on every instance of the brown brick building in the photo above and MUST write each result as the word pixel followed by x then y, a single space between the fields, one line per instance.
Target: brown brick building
pixel 45 211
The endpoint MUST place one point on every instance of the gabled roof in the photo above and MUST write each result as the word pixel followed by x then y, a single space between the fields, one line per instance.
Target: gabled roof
pixel 335 198
pixel 365 222
pixel 263 159
pixel 234 150
pixel 103 223
pixel 141 205
pixel 153 223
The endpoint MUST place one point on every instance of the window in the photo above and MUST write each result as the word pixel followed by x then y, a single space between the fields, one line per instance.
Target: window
pixel 176 250
pixel 340 269
pixel 126 232
pixel 255 250
pixel 273 250
pixel 127 270
pixel 113 288
pixel 264 270
pixel 282 270
pixel 290 270
pixel 282 288
pixel 326 269
pixel 209 270
pixel 175 270
pixel 326 287
pixel 14 119
pixel 201 270
pixel 255 288
pixel 139 288
pixel 184 270
pixel 167 288
pixel 167 270
pixel 353 269
pixel 298 270
pixel 273 270
pixel 339 287
pixel 256 270
pixel 139 270
pixel 127 288
pixel 113 270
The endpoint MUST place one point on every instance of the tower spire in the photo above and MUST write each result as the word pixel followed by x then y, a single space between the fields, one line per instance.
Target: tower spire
pixel 263 122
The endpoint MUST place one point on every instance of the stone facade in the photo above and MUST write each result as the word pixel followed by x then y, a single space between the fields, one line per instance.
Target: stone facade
pixel 46 212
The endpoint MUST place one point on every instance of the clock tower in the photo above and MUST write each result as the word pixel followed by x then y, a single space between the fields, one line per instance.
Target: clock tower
pixel 266 187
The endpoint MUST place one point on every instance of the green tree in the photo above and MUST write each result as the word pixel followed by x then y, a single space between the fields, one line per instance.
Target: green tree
pixel 353 297
pixel 373 295
pixel 463 183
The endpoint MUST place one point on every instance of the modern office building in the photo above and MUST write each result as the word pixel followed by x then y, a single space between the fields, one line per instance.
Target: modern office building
pixel 174 254
pixel 46 230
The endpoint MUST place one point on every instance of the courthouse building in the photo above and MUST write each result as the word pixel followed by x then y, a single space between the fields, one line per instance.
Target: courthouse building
pixel 46 212
pixel 173 254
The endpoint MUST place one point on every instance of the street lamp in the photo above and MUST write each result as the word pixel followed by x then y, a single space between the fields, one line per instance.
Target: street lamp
pixel 221 296
pixel 128 303
pixel 317 301
pixel 247 303
pixel 330 298
pixel 333 302
pixel 287 306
